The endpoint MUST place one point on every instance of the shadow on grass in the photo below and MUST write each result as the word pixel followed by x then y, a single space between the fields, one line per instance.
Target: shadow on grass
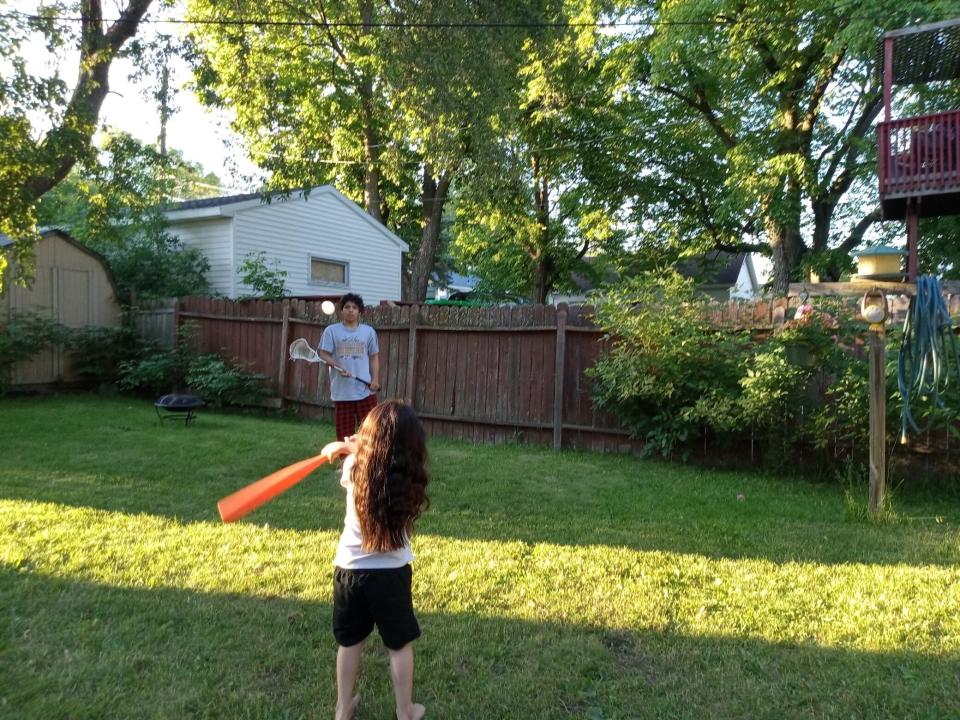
pixel 119 459
pixel 82 650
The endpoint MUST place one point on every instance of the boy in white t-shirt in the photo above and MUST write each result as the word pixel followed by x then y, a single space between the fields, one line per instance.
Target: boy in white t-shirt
pixel 351 348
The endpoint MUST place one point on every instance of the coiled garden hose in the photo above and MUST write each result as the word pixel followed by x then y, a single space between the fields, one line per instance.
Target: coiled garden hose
pixel 928 353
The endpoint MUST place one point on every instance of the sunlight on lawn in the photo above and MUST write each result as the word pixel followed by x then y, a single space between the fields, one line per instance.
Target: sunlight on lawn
pixel 853 606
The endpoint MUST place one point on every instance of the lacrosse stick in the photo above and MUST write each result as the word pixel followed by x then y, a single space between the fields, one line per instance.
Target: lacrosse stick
pixel 300 350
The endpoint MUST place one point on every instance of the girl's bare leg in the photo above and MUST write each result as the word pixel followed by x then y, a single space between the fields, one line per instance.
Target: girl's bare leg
pixel 401 672
pixel 348 667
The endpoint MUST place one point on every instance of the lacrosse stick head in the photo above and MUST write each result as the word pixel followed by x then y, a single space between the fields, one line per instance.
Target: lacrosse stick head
pixel 300 350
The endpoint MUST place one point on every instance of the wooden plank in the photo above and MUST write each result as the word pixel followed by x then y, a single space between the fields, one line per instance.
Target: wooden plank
pixel 410 392
pixel 878 427
pixel 431 385
pixel 857 288
pixel 282 354
pixel 558 378
pixel 498 392
pixel 471 402
pixel 508 374
pixel 225 317
pixel 448 369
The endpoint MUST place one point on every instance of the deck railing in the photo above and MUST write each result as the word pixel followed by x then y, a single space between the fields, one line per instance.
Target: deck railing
pixel 919 155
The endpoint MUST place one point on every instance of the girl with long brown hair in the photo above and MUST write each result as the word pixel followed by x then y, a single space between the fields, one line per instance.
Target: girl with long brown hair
pixel 386 480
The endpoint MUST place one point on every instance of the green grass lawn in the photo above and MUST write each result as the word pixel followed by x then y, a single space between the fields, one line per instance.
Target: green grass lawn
pixel 548 585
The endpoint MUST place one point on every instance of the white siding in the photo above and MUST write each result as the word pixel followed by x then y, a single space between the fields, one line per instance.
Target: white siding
pixel 213 238
pixel 743 290
pixel 323 226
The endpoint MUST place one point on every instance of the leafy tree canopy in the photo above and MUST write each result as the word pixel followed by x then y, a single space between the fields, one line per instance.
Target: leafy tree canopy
pixel 389 102
pixel 551 206
pixel 45 124
pixel 111 202
pixel 752 124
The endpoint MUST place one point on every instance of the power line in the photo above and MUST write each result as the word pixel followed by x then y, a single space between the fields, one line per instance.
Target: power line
pixel 466 25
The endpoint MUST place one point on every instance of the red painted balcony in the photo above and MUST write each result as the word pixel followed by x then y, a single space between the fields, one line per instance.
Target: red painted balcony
pixel 920 157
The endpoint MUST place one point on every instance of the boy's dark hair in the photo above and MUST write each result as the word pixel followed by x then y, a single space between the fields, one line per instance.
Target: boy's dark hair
pixel 390 476
pixel 351 297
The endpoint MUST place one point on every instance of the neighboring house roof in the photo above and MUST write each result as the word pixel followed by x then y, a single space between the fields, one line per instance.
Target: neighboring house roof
pixel 215 201
pixel 585 283
pixel 456 280
pixel 718 268
pixel 229 205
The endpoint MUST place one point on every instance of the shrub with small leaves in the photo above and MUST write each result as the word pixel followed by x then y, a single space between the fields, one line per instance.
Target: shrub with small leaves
pixel 24 336
pixel 666 358
pixel 98 351
pixel 219 383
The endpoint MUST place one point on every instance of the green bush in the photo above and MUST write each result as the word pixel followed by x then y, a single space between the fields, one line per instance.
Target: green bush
pixel 665 359
pixel 159 372
pixel 218 383
pixel 24 336
pixel 98 352
pixel 268 283
pixel 672 378
pixel 774 402
pixel 179 369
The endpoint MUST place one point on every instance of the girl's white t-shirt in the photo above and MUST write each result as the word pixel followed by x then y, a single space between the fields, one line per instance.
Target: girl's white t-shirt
pixel 350 553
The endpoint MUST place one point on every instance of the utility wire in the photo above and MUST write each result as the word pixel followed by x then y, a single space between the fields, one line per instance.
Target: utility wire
pixel 414 25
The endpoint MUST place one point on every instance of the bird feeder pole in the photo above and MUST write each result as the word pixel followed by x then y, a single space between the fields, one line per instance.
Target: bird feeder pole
pixel 873 308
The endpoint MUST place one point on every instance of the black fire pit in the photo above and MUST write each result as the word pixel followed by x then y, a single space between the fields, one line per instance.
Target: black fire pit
pixel 177 406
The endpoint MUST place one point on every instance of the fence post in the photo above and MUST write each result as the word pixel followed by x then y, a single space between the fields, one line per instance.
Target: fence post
pixel 561 351
pixel 412 356
pixel 284 341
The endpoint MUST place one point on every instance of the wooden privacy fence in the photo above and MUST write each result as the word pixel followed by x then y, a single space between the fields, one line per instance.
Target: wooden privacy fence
pixel 479 374
pixel 485 375
pixel 156 320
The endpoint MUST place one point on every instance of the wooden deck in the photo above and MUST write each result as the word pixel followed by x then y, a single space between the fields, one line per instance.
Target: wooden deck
pixel 919 157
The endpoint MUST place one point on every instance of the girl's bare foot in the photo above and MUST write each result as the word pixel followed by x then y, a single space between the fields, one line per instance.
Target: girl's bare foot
pixel 416 712
pixel 346 712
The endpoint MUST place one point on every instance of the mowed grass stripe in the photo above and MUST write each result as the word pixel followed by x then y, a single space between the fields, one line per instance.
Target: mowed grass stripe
pixel 861 606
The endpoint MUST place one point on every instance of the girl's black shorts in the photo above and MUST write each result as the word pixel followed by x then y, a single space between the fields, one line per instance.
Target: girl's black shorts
pixel 382 597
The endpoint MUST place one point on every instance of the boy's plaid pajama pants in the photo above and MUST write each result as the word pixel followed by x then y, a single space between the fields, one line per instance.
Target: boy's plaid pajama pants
pixel 347 415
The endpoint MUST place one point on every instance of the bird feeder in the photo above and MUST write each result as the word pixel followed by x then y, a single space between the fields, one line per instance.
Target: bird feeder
pixel 880 262
pixel 873 309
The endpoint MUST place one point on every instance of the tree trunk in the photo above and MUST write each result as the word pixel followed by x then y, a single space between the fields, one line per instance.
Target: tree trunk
pixel 63 145
pixel 786 251
pixel 164 109
pixel 371 158
pixel 371 138
pixel 822 220
pixel 542 270
pixel 542 279
pixel 433 196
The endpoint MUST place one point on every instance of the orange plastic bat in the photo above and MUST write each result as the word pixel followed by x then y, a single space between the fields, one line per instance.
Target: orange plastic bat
pixel 249 498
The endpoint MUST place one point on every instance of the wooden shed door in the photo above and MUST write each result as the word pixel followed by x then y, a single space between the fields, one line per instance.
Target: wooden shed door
pixel 75 306
pixel 44 366
pixel 70 292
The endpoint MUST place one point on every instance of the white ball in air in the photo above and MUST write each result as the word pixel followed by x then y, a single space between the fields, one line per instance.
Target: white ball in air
pixel 328 307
